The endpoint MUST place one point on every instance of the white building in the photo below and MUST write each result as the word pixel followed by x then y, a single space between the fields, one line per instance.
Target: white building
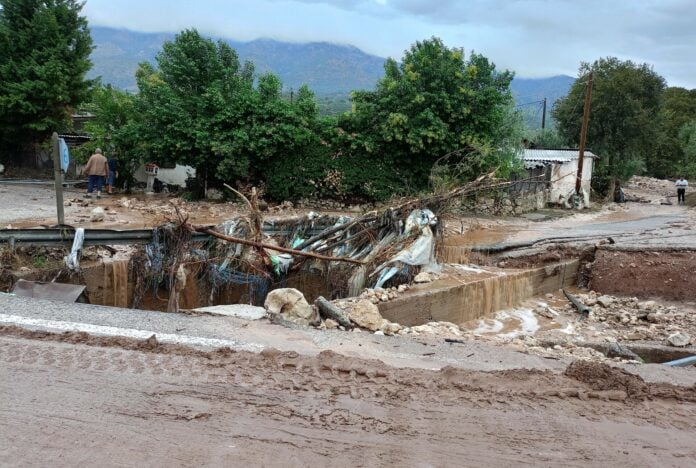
pixel 560 167
pixel 170 176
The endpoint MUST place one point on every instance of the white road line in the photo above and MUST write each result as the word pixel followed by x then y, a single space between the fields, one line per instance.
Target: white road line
pixel 100 330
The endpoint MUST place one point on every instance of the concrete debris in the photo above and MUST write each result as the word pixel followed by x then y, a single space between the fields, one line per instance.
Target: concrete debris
pixel 436 329
pixel 243 311
pixel 291 305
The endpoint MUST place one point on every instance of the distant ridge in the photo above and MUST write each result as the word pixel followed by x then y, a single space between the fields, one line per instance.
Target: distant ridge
pixel 329 69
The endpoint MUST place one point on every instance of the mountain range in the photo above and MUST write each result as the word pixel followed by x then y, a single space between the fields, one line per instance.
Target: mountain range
pixel 330 70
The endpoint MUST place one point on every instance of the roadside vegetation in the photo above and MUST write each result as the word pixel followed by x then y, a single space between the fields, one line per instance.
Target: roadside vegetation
pixel 436 107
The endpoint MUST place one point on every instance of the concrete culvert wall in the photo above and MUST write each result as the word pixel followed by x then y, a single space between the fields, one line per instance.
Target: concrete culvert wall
pixel 460 302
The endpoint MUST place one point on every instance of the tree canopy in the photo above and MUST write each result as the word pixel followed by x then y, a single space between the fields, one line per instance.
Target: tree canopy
pixel 677 112
pixel 434 102
pixel 44 56
pixel 623 128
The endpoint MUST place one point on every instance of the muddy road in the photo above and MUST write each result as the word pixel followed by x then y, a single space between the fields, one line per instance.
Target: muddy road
pixel 75 400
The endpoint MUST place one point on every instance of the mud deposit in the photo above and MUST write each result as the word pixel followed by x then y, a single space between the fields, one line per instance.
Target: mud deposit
pixel 669 275
pixel 77 398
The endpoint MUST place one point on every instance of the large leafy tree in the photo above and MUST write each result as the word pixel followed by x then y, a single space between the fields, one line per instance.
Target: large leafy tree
pixel 687 145
pixel 202 108
pixel 180 104
pixel 434 102
pixel 44 56
pixel 677 110
pixel 623 129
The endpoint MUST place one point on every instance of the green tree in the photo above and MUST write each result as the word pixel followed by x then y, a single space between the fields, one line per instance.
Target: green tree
pixel 182 106
pixel 434 102
pixel 112 128
pixel 201 108
pixel 622 128
pixel 687 140
pixel 677 109
pixel 44 56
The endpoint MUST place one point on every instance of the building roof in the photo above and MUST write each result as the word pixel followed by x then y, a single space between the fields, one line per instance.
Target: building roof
pixel 553 155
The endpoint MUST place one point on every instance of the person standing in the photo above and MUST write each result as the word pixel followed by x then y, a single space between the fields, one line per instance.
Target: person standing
pixel 96 169
pixel 681 184
pixel 113 173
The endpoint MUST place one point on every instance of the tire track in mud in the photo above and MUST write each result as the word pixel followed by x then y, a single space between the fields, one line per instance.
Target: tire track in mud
pixel 341 410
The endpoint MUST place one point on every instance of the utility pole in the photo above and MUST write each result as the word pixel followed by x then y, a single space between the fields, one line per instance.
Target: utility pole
pixel 543 115
pixel 58 174
pixel 292 94
pixel 583 136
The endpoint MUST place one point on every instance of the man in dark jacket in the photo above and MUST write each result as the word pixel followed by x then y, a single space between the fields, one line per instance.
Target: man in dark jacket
pixel 113 173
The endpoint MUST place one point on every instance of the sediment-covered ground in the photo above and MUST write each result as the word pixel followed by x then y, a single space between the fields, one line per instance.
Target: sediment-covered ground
pixel 83 384
pixel 76 400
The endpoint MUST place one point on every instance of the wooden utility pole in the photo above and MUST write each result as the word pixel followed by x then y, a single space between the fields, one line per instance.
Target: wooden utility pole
pixel 583 136
pixel 543 115
pixel 58 175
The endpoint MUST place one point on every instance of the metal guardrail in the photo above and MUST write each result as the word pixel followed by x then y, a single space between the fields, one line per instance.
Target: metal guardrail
pixel 64 236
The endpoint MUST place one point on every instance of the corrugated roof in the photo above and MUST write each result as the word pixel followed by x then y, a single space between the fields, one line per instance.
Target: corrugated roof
pixel 553 155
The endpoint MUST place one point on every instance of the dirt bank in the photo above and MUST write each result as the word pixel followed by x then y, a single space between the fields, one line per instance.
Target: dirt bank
pixel 669 275
pixel 128 403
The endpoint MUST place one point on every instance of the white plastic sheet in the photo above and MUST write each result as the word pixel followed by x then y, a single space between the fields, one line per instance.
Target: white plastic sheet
pixel 72 261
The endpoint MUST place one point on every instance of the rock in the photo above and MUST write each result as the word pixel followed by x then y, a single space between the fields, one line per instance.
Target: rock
pixel 636 336
pixel 330 324
pixel 422 278
pixel 605 301
pixel 365 314
pixel 97 215
pixel 390 328
pixel 292 305
pixel 679 339
pixel 402 288
pixel 243 311
pixel 648 306
pixel 214 194
pixel 544 312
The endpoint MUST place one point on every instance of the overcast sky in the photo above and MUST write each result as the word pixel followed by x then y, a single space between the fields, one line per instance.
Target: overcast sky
pixel 534 38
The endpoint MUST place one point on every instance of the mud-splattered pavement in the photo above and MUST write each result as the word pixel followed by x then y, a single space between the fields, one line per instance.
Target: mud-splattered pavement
pixel 120 403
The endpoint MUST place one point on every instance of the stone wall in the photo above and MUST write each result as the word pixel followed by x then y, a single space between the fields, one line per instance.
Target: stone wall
pixel 505 204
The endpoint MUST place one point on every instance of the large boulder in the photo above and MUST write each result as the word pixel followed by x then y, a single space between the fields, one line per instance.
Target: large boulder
pixel 365 314
pixel 291 305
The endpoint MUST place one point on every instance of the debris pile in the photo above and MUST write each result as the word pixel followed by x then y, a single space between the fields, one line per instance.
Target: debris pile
pixel 649 190
pixel 630 319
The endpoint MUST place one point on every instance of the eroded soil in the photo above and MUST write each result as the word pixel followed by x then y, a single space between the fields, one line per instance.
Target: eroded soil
pixel 76 399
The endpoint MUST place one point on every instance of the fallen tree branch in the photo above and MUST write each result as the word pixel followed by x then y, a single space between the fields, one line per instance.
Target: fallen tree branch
pixel 328 310
pixel 276 248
